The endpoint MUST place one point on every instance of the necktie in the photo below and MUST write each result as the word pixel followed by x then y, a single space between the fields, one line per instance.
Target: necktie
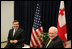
pixel 48 43
pixel 14 31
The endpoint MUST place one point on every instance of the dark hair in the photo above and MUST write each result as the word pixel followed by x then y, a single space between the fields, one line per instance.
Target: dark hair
pixel 15 21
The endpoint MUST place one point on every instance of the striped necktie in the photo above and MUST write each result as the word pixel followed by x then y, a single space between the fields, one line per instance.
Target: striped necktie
pixel 48 43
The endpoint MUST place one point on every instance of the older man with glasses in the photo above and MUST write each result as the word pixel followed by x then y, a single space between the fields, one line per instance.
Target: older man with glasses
pixel 53 41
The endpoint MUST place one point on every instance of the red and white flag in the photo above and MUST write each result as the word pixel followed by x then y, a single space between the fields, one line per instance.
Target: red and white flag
pixel 62 30
pixel 37 30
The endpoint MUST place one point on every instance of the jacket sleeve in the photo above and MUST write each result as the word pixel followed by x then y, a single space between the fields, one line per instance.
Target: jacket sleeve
pixel 22 39
pixel 9 36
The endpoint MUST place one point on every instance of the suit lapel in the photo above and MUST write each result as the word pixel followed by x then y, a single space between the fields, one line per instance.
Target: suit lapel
pixel 16 33
pixel 53 42
pixel 12 32
pixel 47 42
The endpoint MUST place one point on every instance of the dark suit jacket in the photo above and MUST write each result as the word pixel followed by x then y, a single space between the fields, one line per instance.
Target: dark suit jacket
pixel 56 43
pixel 19 35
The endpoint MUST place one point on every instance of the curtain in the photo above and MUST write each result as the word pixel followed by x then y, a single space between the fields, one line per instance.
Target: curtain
pixel 24 12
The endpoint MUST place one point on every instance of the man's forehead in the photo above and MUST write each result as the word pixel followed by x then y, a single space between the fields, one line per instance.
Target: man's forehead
pixel 51 32
pixel 51 29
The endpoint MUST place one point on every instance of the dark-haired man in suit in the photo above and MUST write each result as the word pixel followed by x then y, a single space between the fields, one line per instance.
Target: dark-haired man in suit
pixel 16 36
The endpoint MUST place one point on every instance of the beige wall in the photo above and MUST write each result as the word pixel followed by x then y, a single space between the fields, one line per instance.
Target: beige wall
pixel 7 17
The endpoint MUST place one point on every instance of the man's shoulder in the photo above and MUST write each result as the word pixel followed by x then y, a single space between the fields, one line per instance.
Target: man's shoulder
pixel 11 29
pixel 20 29
pixel 58 39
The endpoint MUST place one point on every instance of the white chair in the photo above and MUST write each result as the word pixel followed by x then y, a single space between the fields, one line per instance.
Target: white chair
pixel 26 46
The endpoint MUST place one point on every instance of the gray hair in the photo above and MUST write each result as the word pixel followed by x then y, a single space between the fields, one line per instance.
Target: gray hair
pixel 53 27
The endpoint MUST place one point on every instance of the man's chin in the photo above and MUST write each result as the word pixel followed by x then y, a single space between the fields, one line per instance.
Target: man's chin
pixel 51 38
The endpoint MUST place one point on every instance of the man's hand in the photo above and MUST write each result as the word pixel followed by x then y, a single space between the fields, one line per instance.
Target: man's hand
pixel 11 41
pixel 15 41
